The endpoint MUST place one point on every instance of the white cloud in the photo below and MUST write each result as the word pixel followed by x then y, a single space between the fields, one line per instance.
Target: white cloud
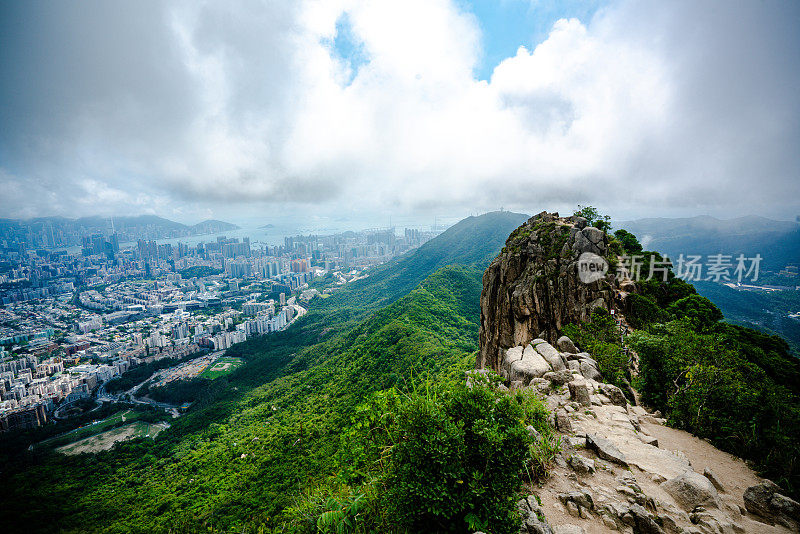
pixel 632 110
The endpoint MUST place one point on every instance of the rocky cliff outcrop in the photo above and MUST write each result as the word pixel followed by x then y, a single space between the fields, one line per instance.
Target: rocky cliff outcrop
pixel 534 287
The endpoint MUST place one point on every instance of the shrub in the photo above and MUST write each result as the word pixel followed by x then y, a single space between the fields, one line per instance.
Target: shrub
pixel 642 311
pixel 457 462
pixel 628 241
pixel 445 458
pixel 699 310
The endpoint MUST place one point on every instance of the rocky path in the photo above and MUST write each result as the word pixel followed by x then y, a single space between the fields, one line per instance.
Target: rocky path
pixel 621 469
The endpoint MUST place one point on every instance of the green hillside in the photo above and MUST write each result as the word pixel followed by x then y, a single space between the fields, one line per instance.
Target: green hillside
pixel 240 459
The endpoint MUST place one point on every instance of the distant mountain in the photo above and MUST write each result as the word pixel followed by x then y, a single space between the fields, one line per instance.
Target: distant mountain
pixel 266 226
pixel 778 242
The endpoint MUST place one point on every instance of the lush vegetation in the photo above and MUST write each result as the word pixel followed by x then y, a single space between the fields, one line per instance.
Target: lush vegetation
pixel 445 457
pixel 594 218
pixel 735 386
pixel 761 310
pixel 357 418
pixel 179 392
pixel 270 431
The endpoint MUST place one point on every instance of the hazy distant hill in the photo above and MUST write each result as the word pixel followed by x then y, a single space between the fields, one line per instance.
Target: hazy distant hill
pixel 61 231
pixel 778 242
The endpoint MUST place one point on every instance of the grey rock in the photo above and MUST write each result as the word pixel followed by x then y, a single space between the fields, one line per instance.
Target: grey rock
pixel 635 422
pixel 581 498
pixel 523 506
pixel 590 371
pixel 669 525
pixel 650 440
pixel 572 509
pixel 531 290
pixel 574 365
pixel 535 526
pixel 786 512
pixel 511 355
pixel 552 356
pixel 690 490
pixel 614 394
pixel 541 385
pixel 757 499
pixel 582 466
pixel 579 392
pixel 563 423
pixel 533 504
pixel 605 449
pixel 565 344
pixel 645 523
pixel 532 365
pixel 709 474
pixel 609 522
pixel 533 433
pixel 559 378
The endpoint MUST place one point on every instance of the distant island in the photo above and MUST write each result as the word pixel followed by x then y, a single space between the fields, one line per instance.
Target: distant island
pixel 266 226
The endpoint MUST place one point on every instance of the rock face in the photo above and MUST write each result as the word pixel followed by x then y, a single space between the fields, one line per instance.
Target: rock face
pixel 533 288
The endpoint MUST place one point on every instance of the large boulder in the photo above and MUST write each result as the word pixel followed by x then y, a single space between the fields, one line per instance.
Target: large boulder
pixel 565 344
pixel 510 356
pixel 690 490
pixel 579 392
pixel 765 501
pixel 757 498
pixel 590 371
pixel 563 423
pixel 552 356
pixel 605 449
pixel 530 366
pixel 559 378
pixel 614 394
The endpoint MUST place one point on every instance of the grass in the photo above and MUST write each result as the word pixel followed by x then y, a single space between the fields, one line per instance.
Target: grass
pixel 221 367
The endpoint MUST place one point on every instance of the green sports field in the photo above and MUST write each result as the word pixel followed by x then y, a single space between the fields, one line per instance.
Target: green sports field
pixel 223 366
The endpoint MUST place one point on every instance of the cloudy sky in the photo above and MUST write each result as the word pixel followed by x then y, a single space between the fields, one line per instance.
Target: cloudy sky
pixel 234 109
